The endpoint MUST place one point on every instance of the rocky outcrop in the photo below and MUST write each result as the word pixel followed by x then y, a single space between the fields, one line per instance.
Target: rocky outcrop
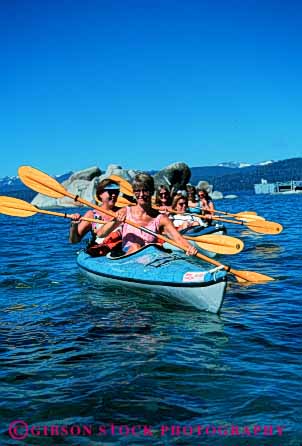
pixel 216 195
pixel 87 175
pixel 115 169
pixel 176 176
pixel 82 183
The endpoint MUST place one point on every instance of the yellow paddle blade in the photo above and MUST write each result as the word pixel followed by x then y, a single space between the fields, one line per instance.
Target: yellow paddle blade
pixel 221 244
pixel 265 227
pixel 261 226
pixel 248 218
pixel 218 249
pixel 40 182
pixel 241 276
pixel 245 214
pixel 20 208
pixel 16 207
pixel 250 276
pixel 125 186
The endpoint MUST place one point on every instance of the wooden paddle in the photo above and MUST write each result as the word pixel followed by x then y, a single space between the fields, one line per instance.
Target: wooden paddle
pixel 19 208
pixel 43 183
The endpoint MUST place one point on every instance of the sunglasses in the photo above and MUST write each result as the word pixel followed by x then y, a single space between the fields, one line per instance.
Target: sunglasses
pixel 163 194
pixel 182 204
pixel 143 191
pixel 112 191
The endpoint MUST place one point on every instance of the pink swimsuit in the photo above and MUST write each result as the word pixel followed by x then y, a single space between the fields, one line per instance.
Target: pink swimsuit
pixel 133 235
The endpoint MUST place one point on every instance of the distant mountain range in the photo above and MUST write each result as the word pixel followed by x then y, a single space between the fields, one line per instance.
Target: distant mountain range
pixel 13 187
pixel 237 179
pixel 226 177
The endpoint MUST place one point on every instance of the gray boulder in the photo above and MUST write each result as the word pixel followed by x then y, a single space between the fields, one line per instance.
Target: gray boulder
pixel 216 195
pixel 86 174
pixel 84 188
pixel 41 201
pixel 115 169
pixel 176 176
pixel 202 184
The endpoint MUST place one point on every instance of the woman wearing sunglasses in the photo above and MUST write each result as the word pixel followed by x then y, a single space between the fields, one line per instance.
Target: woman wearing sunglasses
pixel 180 219
pixel 106 194
pixel 163 199
pixel 206 205
pixel 144 215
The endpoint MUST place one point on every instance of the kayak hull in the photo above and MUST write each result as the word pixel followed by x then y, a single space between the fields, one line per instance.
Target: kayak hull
pixel 153 269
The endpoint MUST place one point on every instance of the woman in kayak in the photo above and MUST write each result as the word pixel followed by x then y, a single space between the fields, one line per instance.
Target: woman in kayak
pixel 163 199
pixel 192 202
pixel 143 215
pixel 206 205
pixel 106 193
pixel 180 219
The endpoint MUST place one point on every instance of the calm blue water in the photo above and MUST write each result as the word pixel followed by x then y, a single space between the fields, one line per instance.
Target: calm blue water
pixel 72 354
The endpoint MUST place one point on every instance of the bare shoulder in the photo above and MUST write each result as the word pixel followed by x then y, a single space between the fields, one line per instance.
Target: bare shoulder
pixel 164 220
pixel 89 214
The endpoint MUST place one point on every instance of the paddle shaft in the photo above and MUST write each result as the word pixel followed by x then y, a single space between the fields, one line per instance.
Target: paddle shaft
pixel 216 217
pixel 20 208
pixel 200 239
pixel 126 188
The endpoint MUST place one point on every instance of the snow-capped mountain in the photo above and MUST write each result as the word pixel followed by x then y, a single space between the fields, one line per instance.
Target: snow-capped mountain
pixel 14 187
pixel 238 164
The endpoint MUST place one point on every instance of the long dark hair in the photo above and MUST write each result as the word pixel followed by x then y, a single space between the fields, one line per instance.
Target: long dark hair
pixel 206 195
pixel 157 195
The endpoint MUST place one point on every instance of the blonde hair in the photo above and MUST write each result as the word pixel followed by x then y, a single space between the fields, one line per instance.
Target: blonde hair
pixel 143 180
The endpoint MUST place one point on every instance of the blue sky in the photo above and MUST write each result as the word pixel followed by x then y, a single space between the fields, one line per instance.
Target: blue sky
pixel 146 83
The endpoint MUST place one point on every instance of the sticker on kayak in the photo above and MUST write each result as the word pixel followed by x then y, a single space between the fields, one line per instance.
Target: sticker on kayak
pixel 193 276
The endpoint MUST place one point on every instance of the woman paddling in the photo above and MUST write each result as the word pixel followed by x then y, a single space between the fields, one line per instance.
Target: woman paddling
pixel 180 219
pixel 106 193
pixel 206 205
pixel 143 214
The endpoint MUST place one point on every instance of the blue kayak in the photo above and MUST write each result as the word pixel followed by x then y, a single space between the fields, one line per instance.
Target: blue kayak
pixel 152 268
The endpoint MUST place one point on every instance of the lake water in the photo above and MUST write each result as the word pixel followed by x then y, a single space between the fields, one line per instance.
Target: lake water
pixel 76 356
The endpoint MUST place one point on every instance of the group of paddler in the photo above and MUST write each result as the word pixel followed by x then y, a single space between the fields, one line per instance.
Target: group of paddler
pixel 142 213
pixel 134 224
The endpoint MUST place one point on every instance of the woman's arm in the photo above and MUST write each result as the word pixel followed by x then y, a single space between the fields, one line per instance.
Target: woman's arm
pixel 113 224
pixel 78 227
pixel 173 234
